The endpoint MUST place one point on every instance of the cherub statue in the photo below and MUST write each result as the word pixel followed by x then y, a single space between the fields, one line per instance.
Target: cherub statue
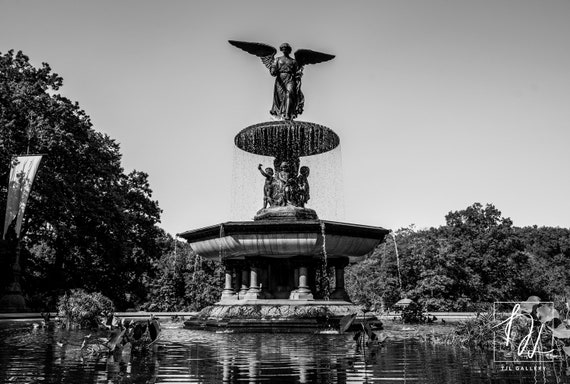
pixel 303 186
pixel 268 187
pixel 285 184
pixel 288 100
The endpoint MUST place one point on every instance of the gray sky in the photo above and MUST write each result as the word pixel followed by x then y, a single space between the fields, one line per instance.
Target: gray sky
pixel 438 104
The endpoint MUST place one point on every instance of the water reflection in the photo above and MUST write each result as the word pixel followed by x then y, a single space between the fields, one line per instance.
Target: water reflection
pixel 184 356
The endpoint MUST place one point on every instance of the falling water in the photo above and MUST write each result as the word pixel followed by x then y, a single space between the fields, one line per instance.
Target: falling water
pixel 327 184
pixel 324 264
pixel 397 260
pixel 318 148
pixel 175 253
pixel 325 180
pixel 197 264
pixel 287 138
pixel 221 250
pixel 247 184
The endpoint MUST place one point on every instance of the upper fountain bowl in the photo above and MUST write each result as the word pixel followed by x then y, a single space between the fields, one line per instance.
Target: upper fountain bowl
pixel 287 138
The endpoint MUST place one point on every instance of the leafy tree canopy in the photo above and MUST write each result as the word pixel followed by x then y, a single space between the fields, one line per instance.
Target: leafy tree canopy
pixel 477 257
pixel 88 223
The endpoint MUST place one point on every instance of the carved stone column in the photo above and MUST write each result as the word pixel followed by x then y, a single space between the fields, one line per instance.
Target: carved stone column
pixel 236 271
pixel 295 279
pixel 244 282
pixel 228 292
pixel 303 292
pixel 254 291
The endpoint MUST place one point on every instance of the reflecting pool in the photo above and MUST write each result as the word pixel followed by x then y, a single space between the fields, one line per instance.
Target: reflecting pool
pixel 53 355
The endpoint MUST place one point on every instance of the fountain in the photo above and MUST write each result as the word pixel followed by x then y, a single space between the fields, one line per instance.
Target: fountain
pixel 277 266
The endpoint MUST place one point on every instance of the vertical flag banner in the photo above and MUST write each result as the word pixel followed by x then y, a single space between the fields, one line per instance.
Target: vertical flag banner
pixel 22 175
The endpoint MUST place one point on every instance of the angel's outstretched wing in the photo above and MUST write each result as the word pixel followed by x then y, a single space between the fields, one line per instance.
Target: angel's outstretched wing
pixel 263 51
pixel 306 56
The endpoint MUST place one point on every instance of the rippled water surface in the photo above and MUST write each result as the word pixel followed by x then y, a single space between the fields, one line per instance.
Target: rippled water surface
pixel 30 355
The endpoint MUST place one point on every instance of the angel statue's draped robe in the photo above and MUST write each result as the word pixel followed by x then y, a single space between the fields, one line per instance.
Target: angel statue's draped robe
pixel 288 100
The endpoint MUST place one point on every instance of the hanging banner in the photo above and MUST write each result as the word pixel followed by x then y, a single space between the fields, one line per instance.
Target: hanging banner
pixel 22 173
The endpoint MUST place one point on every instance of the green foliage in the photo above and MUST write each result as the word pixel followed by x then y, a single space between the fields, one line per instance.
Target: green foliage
pixel 203 284
pixel 324 280
pixel 477 257
pixel 413 314
pixel 547 250
pixel 88 224
pixel 183 281
pixel 373 282
pixel 523 330
pixel 478 331
pixel 83 309
pixel 536 326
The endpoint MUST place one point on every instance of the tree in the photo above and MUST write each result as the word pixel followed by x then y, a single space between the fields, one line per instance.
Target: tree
pixel 428 270
pixel 548 253
pixel 87 223
pixel 183 281
pixel 488 253
pixel 477 257
pixel 374 281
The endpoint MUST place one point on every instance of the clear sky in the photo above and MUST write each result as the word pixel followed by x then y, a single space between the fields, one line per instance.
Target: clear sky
pixel 438 103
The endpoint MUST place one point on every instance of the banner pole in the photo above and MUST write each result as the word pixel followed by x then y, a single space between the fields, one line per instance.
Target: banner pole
pixel 22 174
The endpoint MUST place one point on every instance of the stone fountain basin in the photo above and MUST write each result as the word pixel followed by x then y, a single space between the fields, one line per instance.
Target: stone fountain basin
pixel 287 138
pixel 240 239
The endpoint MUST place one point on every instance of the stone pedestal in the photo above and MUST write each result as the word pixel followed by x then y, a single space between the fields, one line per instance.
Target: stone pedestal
pixel 228 293
pixel 302 292
pixel 287 213
pixel 244 284
pixel 13 300
pixel 236 272
pixel 296 280
pixel 254 291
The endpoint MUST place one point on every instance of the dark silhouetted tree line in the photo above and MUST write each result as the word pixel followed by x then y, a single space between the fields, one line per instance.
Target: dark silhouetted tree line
pixel 88 224
pixel 477 257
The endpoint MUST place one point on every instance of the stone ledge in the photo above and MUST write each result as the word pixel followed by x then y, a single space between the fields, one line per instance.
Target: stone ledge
pixel 287 213
pixel 277 316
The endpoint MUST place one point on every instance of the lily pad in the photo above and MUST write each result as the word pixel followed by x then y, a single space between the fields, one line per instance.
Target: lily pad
pixel 528 305
pixel 560 332
pixel 546 313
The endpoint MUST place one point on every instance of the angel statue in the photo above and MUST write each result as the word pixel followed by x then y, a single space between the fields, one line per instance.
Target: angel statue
pixel 288 100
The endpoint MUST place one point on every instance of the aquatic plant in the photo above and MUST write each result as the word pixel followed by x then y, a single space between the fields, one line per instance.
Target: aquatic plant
pixel 532 329
pixel 79 308
pixel 535 328
pixel 477 331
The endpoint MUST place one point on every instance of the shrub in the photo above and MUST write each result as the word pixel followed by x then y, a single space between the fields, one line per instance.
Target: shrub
pixel 82 309
pixel 413 314
pixel 477 331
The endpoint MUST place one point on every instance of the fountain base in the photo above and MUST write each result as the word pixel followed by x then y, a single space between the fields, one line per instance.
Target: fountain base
pixel 277 316
pixel 287 213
